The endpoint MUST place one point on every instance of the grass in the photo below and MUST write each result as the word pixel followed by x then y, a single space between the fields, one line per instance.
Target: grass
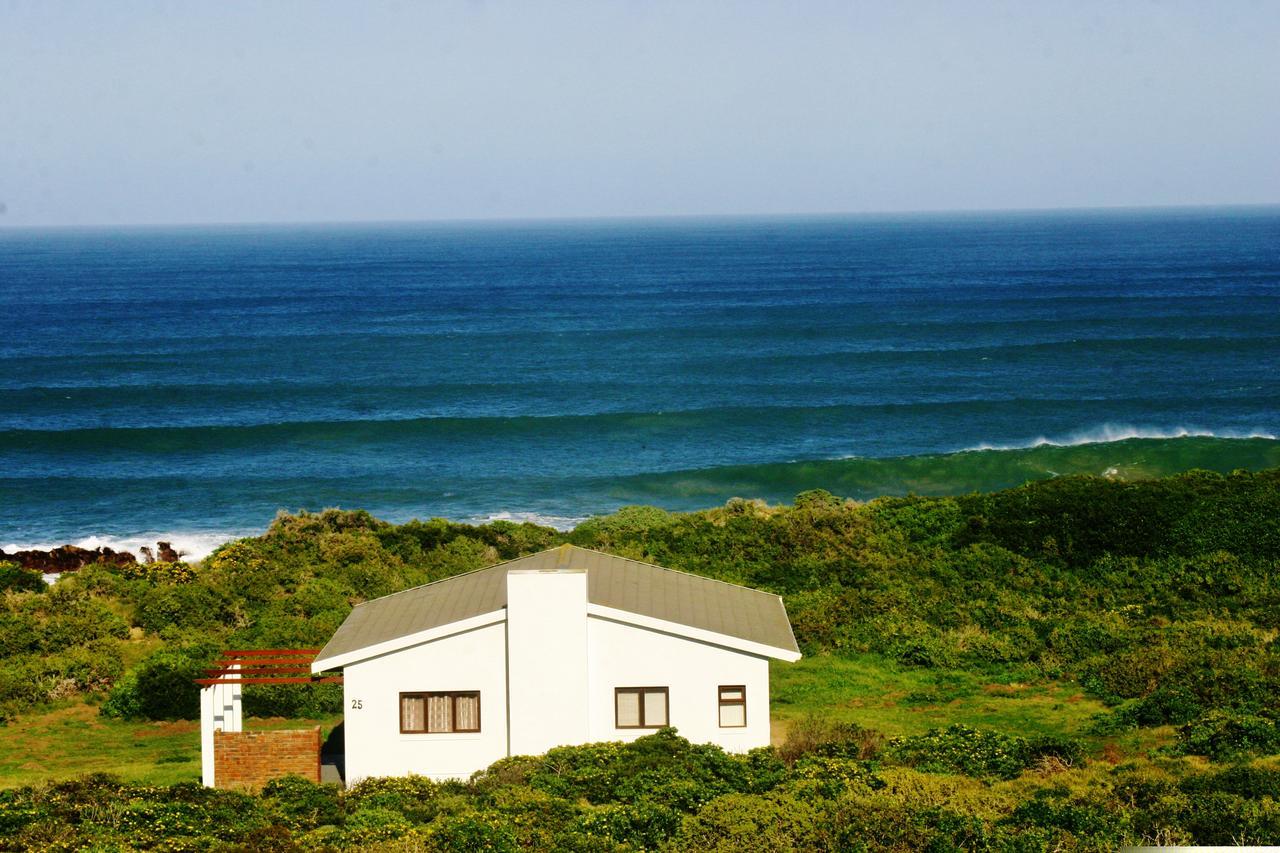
pixel 872 691
pixel 73 740
pixel 897 700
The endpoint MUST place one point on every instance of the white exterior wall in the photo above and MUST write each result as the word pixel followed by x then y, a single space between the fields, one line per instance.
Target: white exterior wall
pixel 472 660
pixel 220 709
pixel 621 655
pixel 546 659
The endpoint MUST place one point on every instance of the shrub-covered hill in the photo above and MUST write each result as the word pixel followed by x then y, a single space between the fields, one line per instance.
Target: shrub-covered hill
pixel 1157 596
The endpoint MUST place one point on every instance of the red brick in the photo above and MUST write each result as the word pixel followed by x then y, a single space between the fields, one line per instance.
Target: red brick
pixel 251 759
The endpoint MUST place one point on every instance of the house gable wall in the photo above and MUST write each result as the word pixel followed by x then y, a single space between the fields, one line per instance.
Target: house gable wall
pixel 471 660
pixel 623 655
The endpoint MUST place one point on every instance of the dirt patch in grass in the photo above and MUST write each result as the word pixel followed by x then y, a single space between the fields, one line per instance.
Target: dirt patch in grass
pixel 1004 689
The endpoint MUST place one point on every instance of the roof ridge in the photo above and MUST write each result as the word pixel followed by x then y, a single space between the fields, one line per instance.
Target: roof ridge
pixel 457 576
pixel 677 571
pixel 559 547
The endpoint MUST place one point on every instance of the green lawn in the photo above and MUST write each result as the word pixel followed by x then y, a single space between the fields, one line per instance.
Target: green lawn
pixel 897 700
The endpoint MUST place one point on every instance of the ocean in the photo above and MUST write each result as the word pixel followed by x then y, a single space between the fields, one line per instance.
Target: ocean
pixel 188 383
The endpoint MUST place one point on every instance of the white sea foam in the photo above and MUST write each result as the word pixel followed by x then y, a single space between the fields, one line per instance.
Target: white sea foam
pixel 200 544
pixel 559 522
pixel 1107 433
pixel 192 546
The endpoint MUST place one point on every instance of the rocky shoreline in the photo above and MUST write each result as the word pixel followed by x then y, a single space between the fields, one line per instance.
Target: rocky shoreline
pixel 69 558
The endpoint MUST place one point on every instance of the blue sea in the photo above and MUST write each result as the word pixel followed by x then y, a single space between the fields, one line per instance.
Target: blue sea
pixel 188 383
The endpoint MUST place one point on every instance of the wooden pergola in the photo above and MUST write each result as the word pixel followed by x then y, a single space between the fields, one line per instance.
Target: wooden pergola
pixel 266 666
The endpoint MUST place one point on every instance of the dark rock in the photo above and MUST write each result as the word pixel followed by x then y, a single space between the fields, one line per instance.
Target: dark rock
pixel 67 558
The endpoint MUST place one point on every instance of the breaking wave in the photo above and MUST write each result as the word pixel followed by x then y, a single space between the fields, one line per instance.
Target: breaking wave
pixel 192 546
pixel 1108 433
pixel 980 469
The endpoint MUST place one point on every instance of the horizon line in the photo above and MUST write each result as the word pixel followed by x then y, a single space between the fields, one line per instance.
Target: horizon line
pixel 650 217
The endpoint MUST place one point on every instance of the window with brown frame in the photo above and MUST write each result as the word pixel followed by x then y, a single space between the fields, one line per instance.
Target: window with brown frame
pixel 733 706
pixel 640 707
pixel 431 713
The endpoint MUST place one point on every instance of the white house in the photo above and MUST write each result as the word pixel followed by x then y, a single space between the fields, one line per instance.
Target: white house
pixel 566 646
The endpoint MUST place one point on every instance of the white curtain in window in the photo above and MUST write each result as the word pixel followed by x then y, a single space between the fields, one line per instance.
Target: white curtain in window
pixel 439 713
pixel 468 710
pixel 628 708
pixel 412 710
pixel 733 715
pixel 655 707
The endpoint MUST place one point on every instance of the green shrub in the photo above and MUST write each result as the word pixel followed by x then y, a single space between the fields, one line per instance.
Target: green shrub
pixel 87 668
pixel 642 825
pixel 300 804
pixel 162 687
pixel 834 776
pixel 930 652
pixel 1167 704
pixel 882 823
pixel 310 701
pixel 472 831
pixel 186 607
pixel 662 767
pixel 1076 822
pixel 537 820
pixel 414 797
pixel 734 822
pixel 19 634
pixel 962 749
pixel 1242 780
pixel 14 577
pixel 370 824
pixel 159 572
pixel 823 736
pixel 1063 749
pixel 1224 734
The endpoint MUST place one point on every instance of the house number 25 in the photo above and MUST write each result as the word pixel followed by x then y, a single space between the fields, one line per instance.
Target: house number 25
pixel 357 704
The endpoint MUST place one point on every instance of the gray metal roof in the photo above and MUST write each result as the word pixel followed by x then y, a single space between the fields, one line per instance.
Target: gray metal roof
pixel 615 582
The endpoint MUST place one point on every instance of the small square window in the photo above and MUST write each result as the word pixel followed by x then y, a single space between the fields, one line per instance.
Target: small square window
pixel 733 706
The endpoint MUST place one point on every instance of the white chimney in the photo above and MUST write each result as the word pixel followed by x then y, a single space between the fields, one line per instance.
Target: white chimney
pixel 546 658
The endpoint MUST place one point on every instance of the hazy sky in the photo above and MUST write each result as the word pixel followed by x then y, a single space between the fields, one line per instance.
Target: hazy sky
pixel 135 112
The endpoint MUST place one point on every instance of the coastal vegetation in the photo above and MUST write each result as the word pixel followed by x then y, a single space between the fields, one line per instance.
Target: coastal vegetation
pixel 1075 663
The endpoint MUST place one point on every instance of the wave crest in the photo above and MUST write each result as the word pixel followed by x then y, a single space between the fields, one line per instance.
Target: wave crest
pixel 1109 433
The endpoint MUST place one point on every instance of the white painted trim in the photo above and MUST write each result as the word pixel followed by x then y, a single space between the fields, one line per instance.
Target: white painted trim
pixel 700 634
pixel 395 645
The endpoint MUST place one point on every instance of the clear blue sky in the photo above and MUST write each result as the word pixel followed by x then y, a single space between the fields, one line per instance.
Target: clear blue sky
pixel 142 112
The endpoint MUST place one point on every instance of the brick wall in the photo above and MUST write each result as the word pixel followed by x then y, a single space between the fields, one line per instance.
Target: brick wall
pixel 250 759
